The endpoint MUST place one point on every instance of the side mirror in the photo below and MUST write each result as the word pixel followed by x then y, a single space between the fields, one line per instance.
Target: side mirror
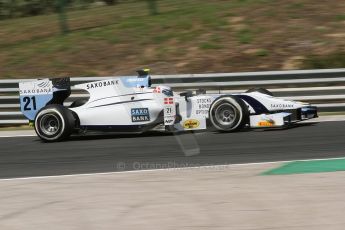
pixel 186 95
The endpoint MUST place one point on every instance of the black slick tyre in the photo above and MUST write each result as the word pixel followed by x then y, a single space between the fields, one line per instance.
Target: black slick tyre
pixel 54 123
pixel 228 114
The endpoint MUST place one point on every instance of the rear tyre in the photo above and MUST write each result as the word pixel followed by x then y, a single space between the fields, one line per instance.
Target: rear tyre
pixel 228 114
pixel 54 123
pixel 260 90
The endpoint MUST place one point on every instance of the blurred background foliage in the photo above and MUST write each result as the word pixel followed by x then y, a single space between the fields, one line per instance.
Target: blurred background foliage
pixel 113 37
pixel 25 8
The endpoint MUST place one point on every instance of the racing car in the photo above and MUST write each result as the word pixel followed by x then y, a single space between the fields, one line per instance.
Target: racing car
pixel 132 104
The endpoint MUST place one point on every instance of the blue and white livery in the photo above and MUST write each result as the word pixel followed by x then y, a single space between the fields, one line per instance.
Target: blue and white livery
pixel 131 104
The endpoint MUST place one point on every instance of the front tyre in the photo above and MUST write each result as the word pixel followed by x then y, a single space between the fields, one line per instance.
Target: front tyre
pixel 228 114
pixel 54 123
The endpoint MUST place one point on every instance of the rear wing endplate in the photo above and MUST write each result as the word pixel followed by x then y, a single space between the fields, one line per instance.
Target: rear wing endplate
pixel 34 95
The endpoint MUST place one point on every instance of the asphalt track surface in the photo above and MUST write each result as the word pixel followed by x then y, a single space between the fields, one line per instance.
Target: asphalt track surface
pixel 29 157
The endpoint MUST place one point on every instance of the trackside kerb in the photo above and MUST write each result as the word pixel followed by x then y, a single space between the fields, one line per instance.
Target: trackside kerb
pixel 313 166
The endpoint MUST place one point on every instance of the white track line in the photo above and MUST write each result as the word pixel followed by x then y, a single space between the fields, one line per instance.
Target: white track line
pixel 19 135
pixel 168 169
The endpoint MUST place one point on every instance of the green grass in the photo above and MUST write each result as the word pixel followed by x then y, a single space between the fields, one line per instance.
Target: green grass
pixel 128 23
pixel 296 6
pixel 245 36
pixel 209 46
pixel 340 17
pixel 113 39
pixel 262 53
pixel 336 60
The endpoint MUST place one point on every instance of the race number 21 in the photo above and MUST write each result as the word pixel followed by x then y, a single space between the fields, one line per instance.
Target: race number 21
pixel 29 103
pixel 168 111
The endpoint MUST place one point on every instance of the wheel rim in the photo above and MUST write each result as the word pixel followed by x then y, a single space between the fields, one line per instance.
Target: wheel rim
pixel 50 124
pixel 225 114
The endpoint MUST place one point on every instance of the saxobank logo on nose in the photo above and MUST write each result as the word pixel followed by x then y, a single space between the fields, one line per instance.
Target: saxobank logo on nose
pixel 140 114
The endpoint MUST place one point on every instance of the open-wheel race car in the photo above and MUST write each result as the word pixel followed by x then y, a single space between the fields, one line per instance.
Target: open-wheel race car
pixel 131 104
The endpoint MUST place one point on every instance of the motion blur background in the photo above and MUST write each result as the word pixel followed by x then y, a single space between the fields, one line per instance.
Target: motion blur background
pixel 114 37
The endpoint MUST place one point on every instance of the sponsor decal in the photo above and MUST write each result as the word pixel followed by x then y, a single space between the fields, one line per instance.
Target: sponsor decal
pixel 282 106
pixel 191 124
pixel 140 114
pixel 169 121
pixel 204 102
pixel 101 84
pixel 44 84
pixel 169 111
pixel 157 90
pixel 168 100
pixel 266 123
pixel 36 91
pixel 201 112
pixel 203 106
pixel 135 79
pixel 36 88
pixel 135 82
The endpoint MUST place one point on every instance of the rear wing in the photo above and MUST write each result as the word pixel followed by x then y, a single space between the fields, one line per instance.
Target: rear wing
pixel 34 95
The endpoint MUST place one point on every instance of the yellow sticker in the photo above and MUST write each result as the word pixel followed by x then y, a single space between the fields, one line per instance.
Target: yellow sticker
pixel 191 124
pixel 266 123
